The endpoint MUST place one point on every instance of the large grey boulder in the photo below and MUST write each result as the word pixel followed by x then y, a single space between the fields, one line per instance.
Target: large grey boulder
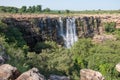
pixel 88 74
pixel 8 72
pixel 57 77
pixel 32 74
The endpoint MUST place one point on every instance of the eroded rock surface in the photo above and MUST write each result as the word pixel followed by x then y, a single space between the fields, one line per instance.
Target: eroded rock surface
pixel 8 72
pixel 88 74
pixel 32 74
pixel 103 37
pixel 2 61
pixel 44 28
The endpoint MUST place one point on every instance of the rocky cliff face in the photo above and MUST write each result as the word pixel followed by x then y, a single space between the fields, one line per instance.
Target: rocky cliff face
pixel 43 28
pixel 38 29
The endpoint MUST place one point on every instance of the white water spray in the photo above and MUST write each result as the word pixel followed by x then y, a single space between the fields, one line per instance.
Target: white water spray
pixel 70 36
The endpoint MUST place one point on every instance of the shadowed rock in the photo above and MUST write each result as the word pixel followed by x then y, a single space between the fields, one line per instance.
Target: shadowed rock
pixel 3 56
pixel 57 77
pixel 2 61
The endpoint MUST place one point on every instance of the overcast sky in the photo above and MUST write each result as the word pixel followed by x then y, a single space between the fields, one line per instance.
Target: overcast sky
pixel 66 4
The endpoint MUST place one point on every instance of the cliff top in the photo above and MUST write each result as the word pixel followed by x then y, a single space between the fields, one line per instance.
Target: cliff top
pixel 33 15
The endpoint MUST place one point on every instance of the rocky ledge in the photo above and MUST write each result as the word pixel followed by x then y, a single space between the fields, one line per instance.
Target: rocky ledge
pixel 8 72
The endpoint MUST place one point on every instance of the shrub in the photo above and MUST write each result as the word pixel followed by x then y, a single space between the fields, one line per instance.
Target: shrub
pixel 110 26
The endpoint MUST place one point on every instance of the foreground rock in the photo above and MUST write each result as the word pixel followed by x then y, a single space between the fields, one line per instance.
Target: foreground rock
pixel 32 74
pixel 8 72
pixel 57 77
pixel 117 67
pixel 88 74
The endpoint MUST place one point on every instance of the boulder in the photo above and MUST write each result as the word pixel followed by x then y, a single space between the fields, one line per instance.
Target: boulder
pixel 3 56
pixel 88 74
pixel 32 74
pixel 57 77
pixel 117 67
pixel 8 72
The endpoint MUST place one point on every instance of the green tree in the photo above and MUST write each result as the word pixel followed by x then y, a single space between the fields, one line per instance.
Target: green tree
pixel 110 26
pixel 67 11
pixel 33 9
pixel 47 10
pixel 59 12
pixel 41 45
pixel 2 9
pixel 23 9
pixel 38 8
pixel 13 35
pixel 29 10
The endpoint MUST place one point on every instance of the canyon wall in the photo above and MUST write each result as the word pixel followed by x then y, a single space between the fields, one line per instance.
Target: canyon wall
pixel 38 29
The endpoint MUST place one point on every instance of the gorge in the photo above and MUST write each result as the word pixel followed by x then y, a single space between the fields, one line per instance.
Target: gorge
pixel 45 37
pixel 63 30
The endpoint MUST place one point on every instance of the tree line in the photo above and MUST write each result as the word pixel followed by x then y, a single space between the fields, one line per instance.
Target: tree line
pixel 24 9
pixel 38 9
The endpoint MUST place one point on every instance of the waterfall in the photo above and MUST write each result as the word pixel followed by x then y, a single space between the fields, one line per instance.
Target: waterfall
pixel 61 27
pixel 70 36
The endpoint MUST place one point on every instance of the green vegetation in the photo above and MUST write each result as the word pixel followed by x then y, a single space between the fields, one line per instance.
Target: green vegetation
pixel 38 9
pixel 23 9
pixel 12 34
pixel 50 58
pixel 110 27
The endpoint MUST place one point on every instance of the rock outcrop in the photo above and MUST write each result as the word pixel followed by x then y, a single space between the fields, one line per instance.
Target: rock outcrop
pixel 32 74
pixel 44 28
pixel 88 74
pixel 41 28
pixel 117 67
pixel 103 37
pixel 3 56
pixel 57 77
pixel 8 72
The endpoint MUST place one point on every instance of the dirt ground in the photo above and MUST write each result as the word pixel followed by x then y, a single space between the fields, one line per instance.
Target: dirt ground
pixel 28 15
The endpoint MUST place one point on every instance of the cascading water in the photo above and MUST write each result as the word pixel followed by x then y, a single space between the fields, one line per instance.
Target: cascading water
pixel 69 36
